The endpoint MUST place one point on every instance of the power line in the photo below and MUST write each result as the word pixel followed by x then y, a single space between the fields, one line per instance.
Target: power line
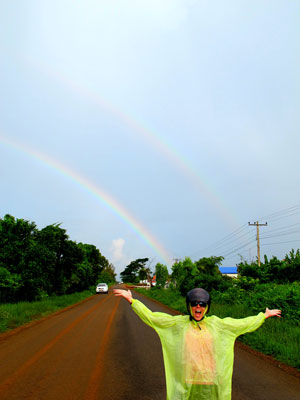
pixel 289 241
pixel 232 241
pixel 282 234
pixel 241 253
pixel 237 249
pixel 228 244
pixel 222 242
pixel 283 217
pixel 286 210
pixel 283 227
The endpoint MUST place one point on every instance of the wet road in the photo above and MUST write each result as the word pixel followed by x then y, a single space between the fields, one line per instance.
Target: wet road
pixel 99 349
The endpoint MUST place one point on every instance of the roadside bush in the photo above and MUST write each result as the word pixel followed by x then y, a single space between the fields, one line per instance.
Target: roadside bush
pixel 233 295
pixel 274 270
pixel 285 297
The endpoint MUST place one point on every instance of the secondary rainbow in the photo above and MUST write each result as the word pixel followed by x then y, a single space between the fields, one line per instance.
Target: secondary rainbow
pixel 110 202
pixel 181 163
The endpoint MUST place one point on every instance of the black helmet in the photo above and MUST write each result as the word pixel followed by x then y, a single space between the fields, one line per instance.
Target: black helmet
pixel 197 294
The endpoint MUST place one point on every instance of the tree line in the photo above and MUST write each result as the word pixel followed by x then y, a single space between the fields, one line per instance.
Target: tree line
pixel 187 274
pixel 36 263
pixel 140 270
pixel 273 270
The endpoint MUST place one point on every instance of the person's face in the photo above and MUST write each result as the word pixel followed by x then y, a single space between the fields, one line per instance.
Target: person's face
pixel 198 310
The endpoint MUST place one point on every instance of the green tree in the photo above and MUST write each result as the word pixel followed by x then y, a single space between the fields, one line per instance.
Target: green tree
pixel 107 275
pixel 80 277
pixel 292 266
pixel 34 262
pixel 273 270
pixel 16 241
pixel 19 256
pixel 162 274
pixel 209 265
pixel 9 285
pixel 131 271
pixel 54 249
pixel 142 274
pixel 205 273
pixel 183 275
pixel 98 262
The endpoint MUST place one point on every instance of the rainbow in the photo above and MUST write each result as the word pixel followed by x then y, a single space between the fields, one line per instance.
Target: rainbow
pixel 106 199
pixel 179 161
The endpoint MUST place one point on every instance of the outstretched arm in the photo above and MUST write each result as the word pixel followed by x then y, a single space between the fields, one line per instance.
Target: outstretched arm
pixel 124 293
pixel 156 320
pixel 272 313
pixel 248 324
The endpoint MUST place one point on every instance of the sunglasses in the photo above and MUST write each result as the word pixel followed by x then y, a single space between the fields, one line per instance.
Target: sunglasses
pixel 201 303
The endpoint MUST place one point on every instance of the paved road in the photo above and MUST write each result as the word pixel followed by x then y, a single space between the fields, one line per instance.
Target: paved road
pixel 99 349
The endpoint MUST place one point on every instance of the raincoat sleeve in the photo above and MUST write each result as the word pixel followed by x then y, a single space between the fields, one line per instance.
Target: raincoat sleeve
pixel 153 319
pixel 244 325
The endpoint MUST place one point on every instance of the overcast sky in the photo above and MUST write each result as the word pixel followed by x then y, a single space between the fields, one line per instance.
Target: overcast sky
pixel 153 128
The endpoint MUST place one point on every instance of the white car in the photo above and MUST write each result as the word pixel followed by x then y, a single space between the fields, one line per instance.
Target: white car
pixel 102 288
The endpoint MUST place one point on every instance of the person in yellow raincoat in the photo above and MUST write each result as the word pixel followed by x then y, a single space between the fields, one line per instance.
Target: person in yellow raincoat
pixel 198 350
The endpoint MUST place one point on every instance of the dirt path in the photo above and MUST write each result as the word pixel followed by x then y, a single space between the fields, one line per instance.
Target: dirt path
pixel 101 350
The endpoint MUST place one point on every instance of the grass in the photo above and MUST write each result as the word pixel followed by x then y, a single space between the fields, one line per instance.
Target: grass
pixel 18 314
pixel 279 338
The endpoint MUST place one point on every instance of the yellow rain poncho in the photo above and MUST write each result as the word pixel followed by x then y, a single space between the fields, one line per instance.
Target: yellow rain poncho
pixel 198 356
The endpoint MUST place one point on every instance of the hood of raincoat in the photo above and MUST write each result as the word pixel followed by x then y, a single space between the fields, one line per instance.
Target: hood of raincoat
pixel 197 294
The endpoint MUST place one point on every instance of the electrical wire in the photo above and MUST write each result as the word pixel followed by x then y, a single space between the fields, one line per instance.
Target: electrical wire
pixel 220 241
pixel 240 254
pixel 232 237
pixel 238 248
pixel 281 234
pixel 273 215
pixel 233 240
pixel 289 241
pixel 283 217
pixel 283 227
pixel 228 245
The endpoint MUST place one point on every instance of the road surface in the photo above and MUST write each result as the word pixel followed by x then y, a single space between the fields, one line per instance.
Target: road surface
pixel 99 349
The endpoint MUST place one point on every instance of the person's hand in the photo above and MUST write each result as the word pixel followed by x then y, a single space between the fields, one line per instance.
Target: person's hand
pixel 272 313
pixel 124 293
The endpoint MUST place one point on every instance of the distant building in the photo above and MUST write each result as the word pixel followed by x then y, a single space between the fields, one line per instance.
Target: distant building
pixel 229 271
pixel 147 283
pixel 154 280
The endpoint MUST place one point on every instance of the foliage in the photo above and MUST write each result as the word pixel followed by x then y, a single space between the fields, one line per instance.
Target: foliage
pixel 36 262
pixel 107 275
pixel 273 270
pixel 131 272
pixel 205 273
pixel 161 272
pixel 279 296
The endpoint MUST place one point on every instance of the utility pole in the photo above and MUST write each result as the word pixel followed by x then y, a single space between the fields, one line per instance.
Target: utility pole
pixel 257 238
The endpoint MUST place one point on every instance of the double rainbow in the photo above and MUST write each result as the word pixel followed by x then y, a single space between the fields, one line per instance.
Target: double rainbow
pixel 156 141
pixel 105 198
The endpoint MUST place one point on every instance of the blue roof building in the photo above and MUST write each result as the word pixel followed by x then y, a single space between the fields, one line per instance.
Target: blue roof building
pixel 230 271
